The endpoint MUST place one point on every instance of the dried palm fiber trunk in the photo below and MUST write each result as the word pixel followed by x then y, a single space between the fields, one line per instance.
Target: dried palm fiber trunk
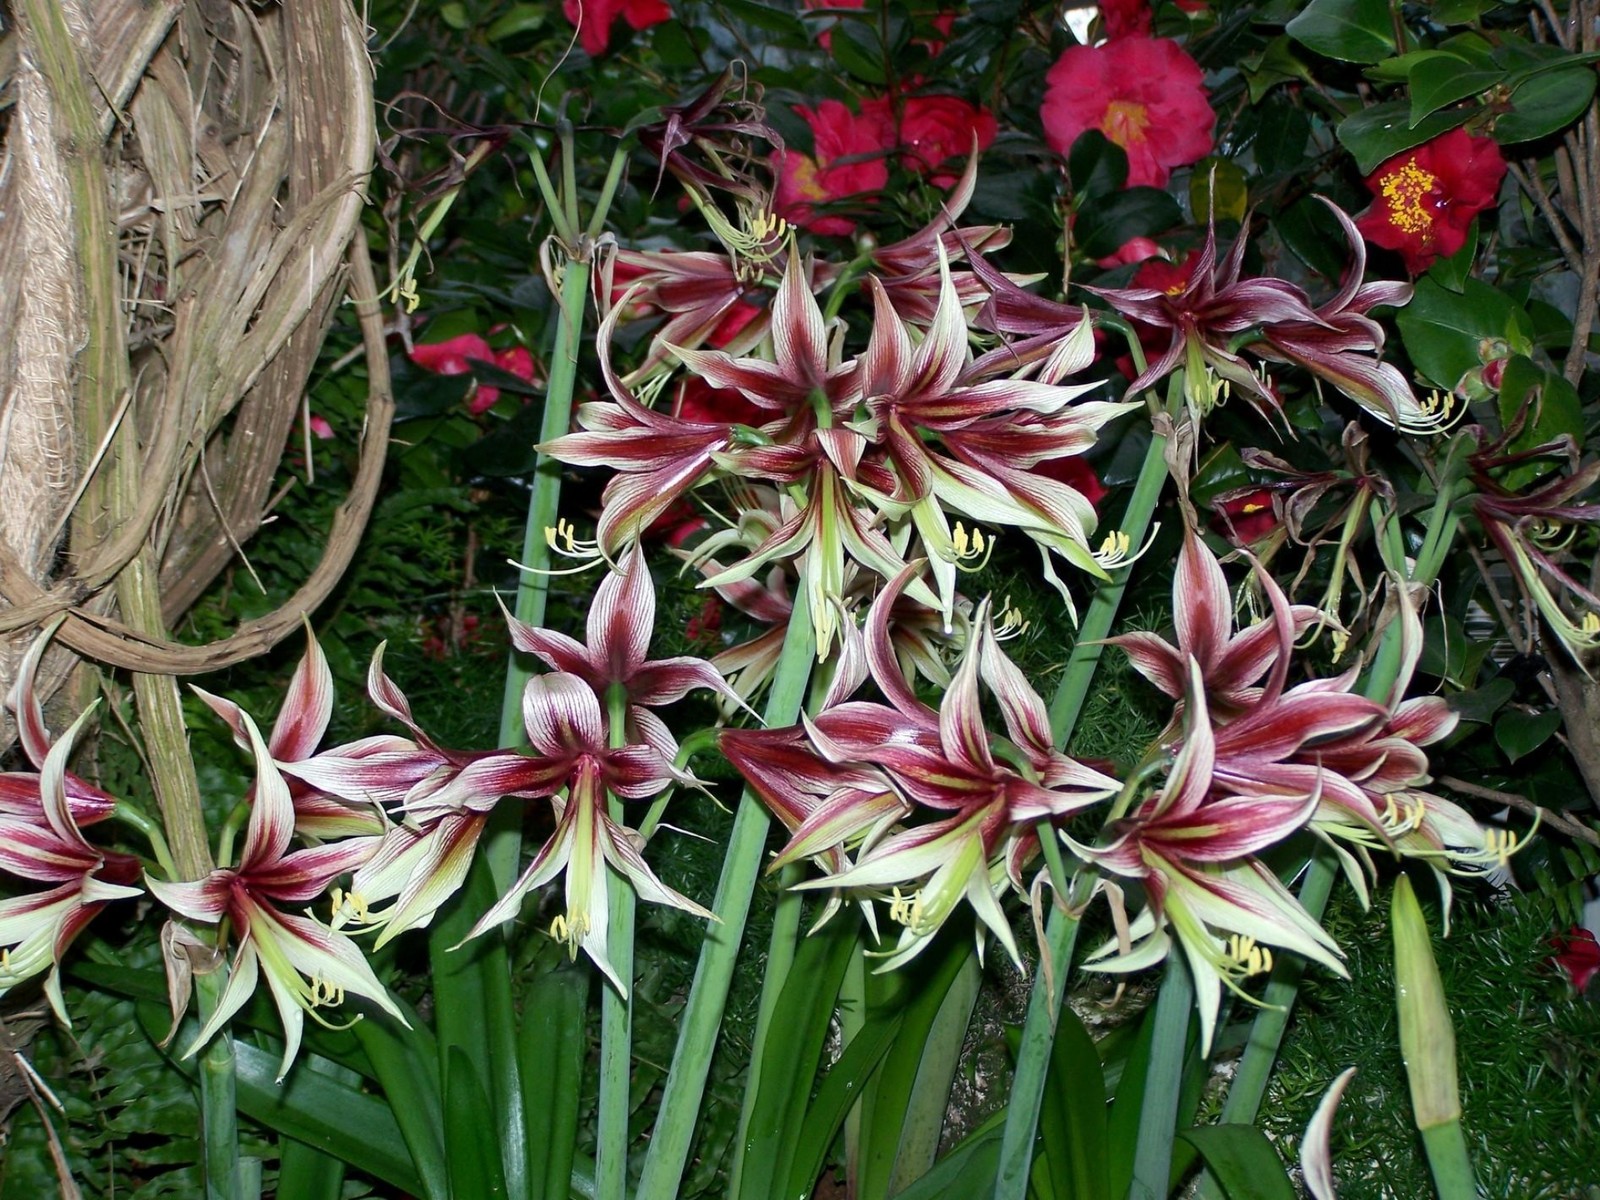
pixel 180 195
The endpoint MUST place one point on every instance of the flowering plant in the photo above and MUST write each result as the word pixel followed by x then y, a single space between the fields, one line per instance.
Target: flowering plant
pixel 901 548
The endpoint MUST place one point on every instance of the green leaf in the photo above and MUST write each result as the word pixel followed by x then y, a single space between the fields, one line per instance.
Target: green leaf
pixel 1520 733
pixel 1461 12
pixel 1243 1161
pixel 1452 273
pixel 1096 165
pixel 1441 329
pixel 1102 228
pixel 1549 407
pixel 551 1045
pixel 1349 30
pixel 929 1103
pixel 470 1147
pixel 1482 703
pixel 965 1172
pixel 1276 64
pixel 1072 1121
pixel 1378 133
pixel 1222 470
pixel 836 1095
pixel 1127 1104
pixel 796 1036
pixel 1230 195
pixel 1442 79
pixel 519 18
pixel 406 1064
pixel 1546 103
pixel 856 48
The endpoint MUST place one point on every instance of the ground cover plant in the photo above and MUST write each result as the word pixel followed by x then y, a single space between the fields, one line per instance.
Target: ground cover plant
pixel 876 599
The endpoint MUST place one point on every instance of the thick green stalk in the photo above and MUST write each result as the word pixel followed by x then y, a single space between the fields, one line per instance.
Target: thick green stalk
pixel 616 1009
pixel 1038 1030
pixel 218 1103
pixel 697 1036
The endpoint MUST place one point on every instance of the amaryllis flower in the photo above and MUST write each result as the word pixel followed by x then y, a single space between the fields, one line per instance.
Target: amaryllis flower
pixel 699 291
pixel 621 619
pixel 847 162
pixel 1193 852
pixel 1144 94
pixel 1424 199
pixel 567 729
pixel 1231 665
pixel 984 805
pixel 1208 311
pixel 1577 954
pixel 307 965
pixel 37 927
pixel 20 794
pixel 594 19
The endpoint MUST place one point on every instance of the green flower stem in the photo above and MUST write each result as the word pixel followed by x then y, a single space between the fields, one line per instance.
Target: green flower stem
pixel 616 1009
pixel 533 588
pixel 1448 1159
pixel 218 1106
pixel 1061 934
pixel 702 1017
pixel 131 814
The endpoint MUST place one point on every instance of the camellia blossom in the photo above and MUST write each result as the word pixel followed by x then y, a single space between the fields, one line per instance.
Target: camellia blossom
pixel 1144 94
pixel 848 161
pixel 931 130
pixel 1578 955
pixel 1425 199
pixel 455 356
pixel 1125 18
pixel 594 19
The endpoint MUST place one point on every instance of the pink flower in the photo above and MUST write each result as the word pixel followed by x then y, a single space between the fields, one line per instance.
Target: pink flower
pixel 320 429
pixel 1144 94
pixel 848 162
pixel 932 130
pixel 1125 18
pixel 456 356
pixel 1578 955
pixel 1133 250
pixel 1425 199
pixel 594 19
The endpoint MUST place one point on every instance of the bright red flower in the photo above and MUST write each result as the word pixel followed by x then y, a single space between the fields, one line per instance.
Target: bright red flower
pixel 594 19
pixel 1145 94
pixel 1577 954
pixel 932 130
pixel 1245 516
pixel 1125 18
pixel 848 162
pixel 1425 198
pixel 456 355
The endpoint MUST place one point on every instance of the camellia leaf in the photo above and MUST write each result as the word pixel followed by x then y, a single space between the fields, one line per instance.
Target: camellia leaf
pixel 1101 228
pixel 1349 30
pixel 1549 408
pixel 1443 79
pixel 1452 272
pixel 1519 733
pixel 1545 103
pixel 1219 186
pixel 1442 329
pixel 1096 165
pixel 856 48
pixel 1384 130
pixel 1277 64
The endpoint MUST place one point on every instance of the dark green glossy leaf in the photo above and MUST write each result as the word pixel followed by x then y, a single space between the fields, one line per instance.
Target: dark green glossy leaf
pixel 1276 64
pixel 856 48
pixel 1242 1160
pixel 1548 407
pixel 1441 329
pixel 1443 79
pixel 1461 12
pixel 1384 130
pixel 1452 273
pixel 519 18
pixel 471 1151
pixel 1101 228
pixel 1520 733
pixel 1096 165
pixel 1481 704
pixel 967 1171
pixel 1127 1104
pixel 1546 103
pixel 1349 30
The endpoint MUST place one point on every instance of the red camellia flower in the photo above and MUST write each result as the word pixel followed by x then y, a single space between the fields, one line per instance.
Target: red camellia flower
pixel 594 19
pixel 932 130
pixel 1144 94
pixel 1125 18
pixel 1425 198
pixel 1578 955
pixel 848 162
pixel 456 356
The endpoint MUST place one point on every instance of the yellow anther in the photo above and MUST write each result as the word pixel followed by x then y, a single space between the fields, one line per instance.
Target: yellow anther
pixel 906 909
pixel 325 994
pixel 1252 959
pixel 1011 622
pixel 969 547
pixel 1114 550
pixel 1341 643
pixel 1590 624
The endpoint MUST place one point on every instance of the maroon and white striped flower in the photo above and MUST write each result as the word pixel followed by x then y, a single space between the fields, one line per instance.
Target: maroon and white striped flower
pixel 46 846
pixel 307 965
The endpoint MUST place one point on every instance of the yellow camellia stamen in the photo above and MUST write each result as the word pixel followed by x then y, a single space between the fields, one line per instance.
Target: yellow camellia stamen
pixel 1125 123
pixel 1405 190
